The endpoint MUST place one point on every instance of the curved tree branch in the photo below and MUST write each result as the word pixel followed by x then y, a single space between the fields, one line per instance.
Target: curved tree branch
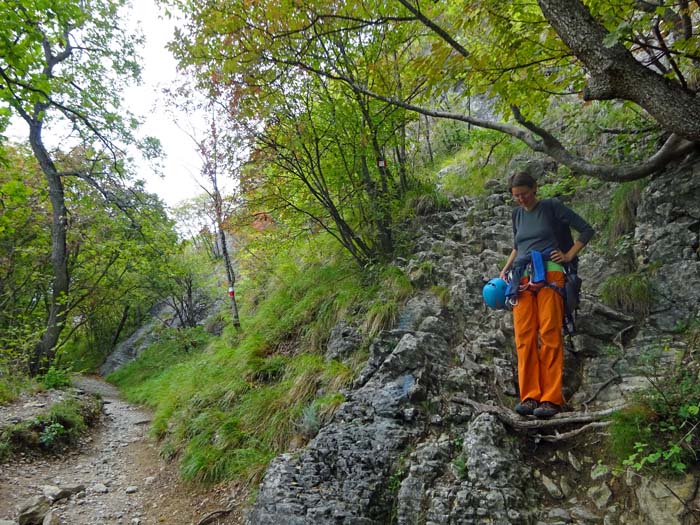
pixel 674 148
pixel 435 28
pixel 615 74
pixel 533 136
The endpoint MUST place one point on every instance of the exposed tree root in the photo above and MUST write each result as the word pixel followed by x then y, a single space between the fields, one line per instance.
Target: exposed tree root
pixel 568 435
pixel 588 419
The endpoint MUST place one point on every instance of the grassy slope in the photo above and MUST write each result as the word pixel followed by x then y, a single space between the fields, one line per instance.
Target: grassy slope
pixel 225 409
pixel 229 405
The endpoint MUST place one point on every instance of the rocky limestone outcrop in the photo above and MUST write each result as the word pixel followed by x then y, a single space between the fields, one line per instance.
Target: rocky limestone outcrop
pixel 131 347
pixel 405 448
pixel 161 315
pixel 668 235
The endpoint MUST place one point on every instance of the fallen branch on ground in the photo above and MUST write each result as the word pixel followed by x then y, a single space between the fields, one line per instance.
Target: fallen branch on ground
pixel 209 518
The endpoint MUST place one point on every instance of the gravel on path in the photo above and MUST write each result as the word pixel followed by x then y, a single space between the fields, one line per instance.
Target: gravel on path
pixel 125 480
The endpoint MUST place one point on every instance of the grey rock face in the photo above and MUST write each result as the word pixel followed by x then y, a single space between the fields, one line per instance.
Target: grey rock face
pixel 342 475
pixel 660 501
pixel 495 472
pixel 403 448
pixel 483 484
pixel 136 343
pixel 33 511
pixel 161 315
pixel 343 341
pixel 428 462
pixel 668 233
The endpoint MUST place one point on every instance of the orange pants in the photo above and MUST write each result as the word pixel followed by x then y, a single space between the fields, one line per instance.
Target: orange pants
pixel 540 369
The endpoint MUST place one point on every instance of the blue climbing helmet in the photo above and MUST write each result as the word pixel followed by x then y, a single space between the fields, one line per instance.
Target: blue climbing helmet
pixel 494 293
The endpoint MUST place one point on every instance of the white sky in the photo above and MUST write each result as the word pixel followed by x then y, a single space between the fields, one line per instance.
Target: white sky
pixel 181 163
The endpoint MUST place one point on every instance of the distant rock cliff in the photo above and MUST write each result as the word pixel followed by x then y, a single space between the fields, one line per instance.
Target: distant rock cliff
pixel 409 447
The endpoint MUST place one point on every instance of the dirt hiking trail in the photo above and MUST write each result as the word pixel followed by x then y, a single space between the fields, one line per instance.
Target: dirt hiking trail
pixel 125 481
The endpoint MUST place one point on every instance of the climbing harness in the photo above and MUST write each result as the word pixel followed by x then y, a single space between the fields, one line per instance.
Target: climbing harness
pixel 533 267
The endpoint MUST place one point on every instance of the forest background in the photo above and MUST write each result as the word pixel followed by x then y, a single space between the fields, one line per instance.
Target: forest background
pixel 334 120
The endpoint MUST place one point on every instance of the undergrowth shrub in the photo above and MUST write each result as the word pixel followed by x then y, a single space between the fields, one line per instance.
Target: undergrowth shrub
pixel 480 159
pixel 51 431
pixel 660 431
pixel 80 353
pixel 563 184
pixel 56 378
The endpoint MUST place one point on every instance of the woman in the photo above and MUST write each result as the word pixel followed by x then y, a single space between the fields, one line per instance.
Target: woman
pixel 541 228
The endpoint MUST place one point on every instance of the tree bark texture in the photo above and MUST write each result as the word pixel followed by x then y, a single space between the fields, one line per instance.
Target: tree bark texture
pixel 120 327
pixel 615 73
pixel 229 274
pixel 45 349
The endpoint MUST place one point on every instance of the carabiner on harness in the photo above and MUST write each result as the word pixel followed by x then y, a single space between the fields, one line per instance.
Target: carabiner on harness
pixel 511 301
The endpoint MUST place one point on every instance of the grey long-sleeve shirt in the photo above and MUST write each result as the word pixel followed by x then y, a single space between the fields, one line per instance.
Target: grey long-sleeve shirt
pixel 547 226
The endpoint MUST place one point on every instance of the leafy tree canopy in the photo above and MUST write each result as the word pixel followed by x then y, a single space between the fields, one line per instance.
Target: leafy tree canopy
pixel 118 263
pixel 67 61
pixel 521 56
pixel 63 65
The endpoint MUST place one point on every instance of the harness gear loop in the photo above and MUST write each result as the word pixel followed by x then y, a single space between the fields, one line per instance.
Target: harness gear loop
pixel 533 267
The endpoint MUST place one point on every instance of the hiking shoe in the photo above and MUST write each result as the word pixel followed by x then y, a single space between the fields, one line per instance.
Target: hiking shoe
pixel 546 410
pixel 526 408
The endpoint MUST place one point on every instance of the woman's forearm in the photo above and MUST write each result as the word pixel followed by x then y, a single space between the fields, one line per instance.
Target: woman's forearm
pixel 509 263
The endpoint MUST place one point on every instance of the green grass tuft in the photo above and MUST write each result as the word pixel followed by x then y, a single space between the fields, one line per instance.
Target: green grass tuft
pixel 381 315
pixel 629 427
pixel 623 211
pixel 632 293
pixel 13 383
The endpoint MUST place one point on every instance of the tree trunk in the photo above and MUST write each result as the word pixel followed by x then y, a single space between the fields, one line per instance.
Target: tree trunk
pixel 45 349
pixel 231 277
pixel 427 140
pixel 378 210
pixel 378 196
pixel 120 327
pixel 614 72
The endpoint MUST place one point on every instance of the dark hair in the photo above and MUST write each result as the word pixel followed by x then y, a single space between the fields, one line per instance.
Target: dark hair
pixel 521 178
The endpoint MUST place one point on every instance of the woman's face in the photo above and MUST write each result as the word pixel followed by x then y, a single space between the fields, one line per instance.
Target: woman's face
pixel 525 196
